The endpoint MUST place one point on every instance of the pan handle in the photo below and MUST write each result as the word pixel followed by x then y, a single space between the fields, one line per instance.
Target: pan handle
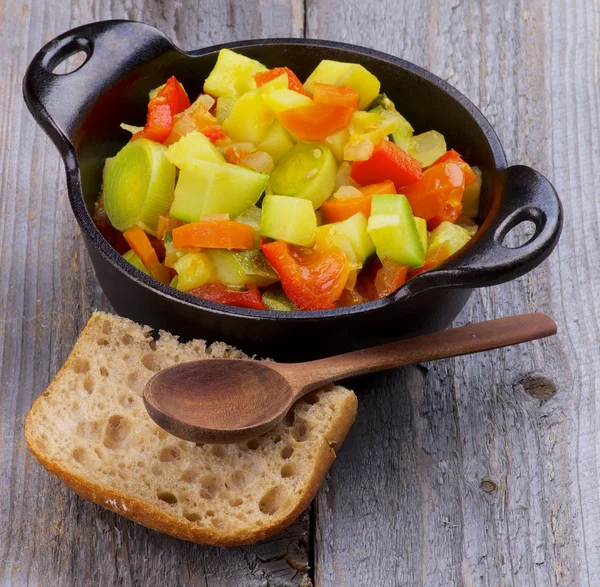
pixel 111 47
pixel 527 195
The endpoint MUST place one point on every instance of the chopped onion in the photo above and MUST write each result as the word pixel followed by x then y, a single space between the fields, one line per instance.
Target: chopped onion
pixel 347 191
pixel 130 128
pixel 258 161
pixel 207 100
pixel 224 216
pixel 343 176
pixel 358 151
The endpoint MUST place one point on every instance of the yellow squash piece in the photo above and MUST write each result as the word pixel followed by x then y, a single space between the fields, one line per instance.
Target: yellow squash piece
pixel 232 75
pixel 337 73
pixel 193 145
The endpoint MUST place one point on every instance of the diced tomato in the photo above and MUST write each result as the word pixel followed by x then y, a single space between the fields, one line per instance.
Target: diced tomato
pixel 335 95
pixel 196 117
pixel 140 243
pixel 313 279
pixel 441 185
pixel 262 77
pixel 390 277
pixel 214 134
pixel 219 292
pixel 451 213
pixel 170 100
pixel 452 155
pixel 338 209
pixel 350 298
pixel 388 162
pixel 385 187
pixel 440 254
pixel 315 122
pixel 365 284
pixel 214 234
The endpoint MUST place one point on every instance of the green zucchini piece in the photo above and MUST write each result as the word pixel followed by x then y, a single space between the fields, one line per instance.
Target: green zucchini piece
pixel 241 268
pixel 275 299
pixel 132 258
pixel 277 141
pixel 291 220
pixel 252 217
pixel 194 270
pixel 472 195
pixel 257 268
pixel 306 171
pixel 422 230
pixel 206 188
pixel 394 231
pixel 223 108
pixel 138 185
pixel 193 145
pixel 232 75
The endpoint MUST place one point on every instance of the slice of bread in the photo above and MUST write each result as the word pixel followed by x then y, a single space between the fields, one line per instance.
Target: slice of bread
pixel 90 429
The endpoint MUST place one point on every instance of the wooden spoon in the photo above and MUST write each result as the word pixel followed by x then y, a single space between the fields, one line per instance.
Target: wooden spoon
pixel 224 400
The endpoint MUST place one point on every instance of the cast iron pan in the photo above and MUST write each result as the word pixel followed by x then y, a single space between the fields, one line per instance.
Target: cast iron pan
pixel 81 112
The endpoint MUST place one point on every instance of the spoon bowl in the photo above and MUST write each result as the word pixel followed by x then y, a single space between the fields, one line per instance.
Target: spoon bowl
pixel 225 400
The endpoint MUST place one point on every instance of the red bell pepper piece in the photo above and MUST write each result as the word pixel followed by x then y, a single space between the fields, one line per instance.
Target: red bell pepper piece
pixel 388 161
pixel 262 77
pixel 313 279
pixel 442 185
pixel 315 122
pixel 452 155
pixel 219 292
pixel 170 100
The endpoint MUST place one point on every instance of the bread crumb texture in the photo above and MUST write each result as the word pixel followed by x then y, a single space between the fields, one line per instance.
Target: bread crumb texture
pixel 91 429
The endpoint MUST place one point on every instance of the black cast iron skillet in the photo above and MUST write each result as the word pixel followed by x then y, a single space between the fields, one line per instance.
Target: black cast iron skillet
pixel 81 112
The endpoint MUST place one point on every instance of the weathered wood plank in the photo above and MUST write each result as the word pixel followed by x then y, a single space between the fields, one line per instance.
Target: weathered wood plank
pixel 478 474
pixel 49 536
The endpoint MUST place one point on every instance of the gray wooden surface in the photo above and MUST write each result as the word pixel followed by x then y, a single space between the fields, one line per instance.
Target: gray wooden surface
pixel 484 470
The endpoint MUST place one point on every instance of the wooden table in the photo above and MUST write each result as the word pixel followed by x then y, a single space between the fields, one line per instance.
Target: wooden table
pixel 485 471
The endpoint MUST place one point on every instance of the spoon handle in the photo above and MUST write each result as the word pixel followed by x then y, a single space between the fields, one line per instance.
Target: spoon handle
pixel 472 338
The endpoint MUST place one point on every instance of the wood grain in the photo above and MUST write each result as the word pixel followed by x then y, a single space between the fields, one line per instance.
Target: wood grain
pixel 486 469
pixel 49 536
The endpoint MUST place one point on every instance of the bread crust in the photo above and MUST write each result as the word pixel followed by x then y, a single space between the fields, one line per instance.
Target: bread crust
pixel 144 513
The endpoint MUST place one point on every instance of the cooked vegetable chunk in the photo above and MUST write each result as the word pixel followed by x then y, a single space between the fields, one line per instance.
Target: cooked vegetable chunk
pixel 138 185
pixel 206 188
pixel 268 194
pixel 306 171
pixel 291 220
pixel 354 76
pixel 233 75
pixel 394 231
